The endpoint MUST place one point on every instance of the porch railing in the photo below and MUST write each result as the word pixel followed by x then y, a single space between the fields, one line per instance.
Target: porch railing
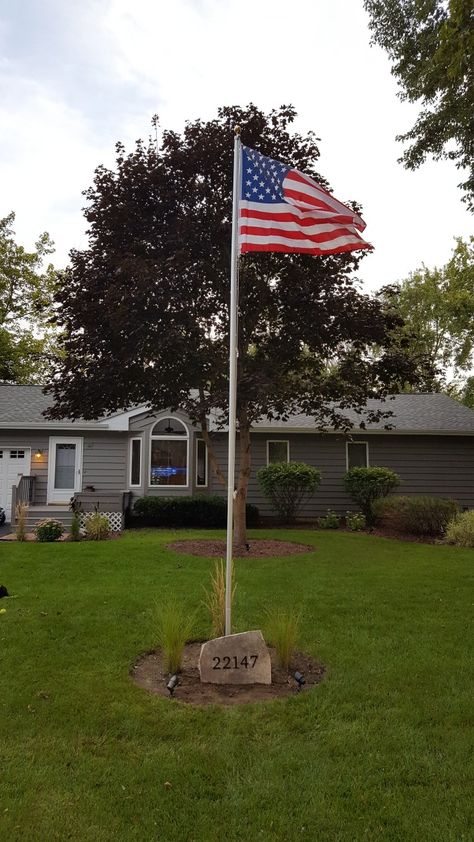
pixel 25 491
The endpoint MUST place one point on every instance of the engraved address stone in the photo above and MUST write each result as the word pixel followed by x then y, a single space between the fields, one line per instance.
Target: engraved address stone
pixel 236 659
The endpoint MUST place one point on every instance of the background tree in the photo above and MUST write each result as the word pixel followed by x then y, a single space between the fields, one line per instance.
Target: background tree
pixel 437 308
pixel 431 45
pixel 26 301
pixel 145 306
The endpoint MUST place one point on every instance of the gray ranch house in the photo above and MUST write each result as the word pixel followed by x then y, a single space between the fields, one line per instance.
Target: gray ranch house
pixel 110 462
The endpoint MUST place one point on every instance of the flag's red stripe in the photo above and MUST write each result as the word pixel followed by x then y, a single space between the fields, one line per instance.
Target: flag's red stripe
pixel 323 237
pixel 246 247
pixel 306 199
pixel 294 217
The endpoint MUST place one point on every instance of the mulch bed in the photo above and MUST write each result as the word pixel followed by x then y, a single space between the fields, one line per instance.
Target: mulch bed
pixel 148 673
pixel 255 547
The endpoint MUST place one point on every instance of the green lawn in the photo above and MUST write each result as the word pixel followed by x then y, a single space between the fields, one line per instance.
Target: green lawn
pixel 379 751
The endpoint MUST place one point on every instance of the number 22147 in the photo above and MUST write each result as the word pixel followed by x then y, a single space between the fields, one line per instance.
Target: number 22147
pixel 232 662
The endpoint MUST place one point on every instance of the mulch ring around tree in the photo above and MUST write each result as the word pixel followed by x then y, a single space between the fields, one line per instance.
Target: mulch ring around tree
pixel 255 547
pixel 148 673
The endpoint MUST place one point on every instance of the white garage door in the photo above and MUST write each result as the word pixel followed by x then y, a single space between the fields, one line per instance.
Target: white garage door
pixel 13 463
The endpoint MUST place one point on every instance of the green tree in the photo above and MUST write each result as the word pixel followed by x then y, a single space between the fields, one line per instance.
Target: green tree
pixel 431 45
pixel 157 272
pixel 26 304
pixel 437 308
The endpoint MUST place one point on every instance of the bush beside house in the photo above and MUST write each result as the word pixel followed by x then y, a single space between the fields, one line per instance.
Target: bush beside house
pixel 287 485
pixel 191 511
pixel 419 515
pixel 366 485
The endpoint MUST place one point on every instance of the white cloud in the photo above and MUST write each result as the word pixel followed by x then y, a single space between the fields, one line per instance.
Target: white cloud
pixel 117 63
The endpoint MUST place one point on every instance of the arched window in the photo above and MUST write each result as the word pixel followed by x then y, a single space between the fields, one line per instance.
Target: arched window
pixel 169 453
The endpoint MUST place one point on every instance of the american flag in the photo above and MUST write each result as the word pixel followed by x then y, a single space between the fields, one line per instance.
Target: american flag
pixel 281 209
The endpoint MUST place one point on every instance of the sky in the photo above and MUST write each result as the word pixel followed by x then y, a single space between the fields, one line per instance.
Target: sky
pixel 75 78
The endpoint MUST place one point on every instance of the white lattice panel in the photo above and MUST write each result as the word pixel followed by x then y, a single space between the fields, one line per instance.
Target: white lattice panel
pixel 115 520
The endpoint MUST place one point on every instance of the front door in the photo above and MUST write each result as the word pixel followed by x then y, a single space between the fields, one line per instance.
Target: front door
pixel 65 469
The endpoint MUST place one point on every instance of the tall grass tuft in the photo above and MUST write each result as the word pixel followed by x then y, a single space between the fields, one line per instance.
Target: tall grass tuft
pixel 21 513
pixel 174 627
pixel 75 530
pixel 214 598
pixel 281 630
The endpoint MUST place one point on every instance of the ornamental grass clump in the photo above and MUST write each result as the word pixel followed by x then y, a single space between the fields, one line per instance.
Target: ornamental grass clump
pixel 174 626
pixel 48 530
pixel 21 513
pixel 214 598
pixel 97 527
pixel 460 531
pixel 287 485
pixel 281 631
pixel 75 530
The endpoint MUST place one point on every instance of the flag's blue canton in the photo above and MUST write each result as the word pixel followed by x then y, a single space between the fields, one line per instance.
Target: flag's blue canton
pixel 262 178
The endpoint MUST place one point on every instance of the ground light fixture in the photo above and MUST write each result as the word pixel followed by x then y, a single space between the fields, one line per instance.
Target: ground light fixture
pixel 172 684
pixel 300 680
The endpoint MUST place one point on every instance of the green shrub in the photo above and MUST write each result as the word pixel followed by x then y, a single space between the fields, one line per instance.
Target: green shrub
pixel 174 627
pixel 460 531
pixel 355 521
pixel 416 515
pixel 198 510
pixel 281 630
pixel 329 521
pixel 287 485
pixel 366 485
pixel 48 530
pixel 97 527
pixel 75 530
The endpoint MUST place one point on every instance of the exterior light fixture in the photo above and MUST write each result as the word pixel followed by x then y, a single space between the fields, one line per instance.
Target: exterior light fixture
pixel 300 680
pixel 172 684
pixel 38 453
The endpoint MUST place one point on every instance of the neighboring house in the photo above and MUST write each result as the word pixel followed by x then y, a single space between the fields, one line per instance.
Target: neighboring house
pixel 111 461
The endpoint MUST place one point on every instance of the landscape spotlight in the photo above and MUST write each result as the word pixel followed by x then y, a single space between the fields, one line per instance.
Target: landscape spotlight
pixel 300 680
pixel 172 684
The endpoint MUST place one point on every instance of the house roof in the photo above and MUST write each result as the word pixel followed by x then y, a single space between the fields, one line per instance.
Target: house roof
pixel 22 407
pixel 411 413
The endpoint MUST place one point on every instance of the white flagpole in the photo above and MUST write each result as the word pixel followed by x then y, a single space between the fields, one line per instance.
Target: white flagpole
pixel 233 351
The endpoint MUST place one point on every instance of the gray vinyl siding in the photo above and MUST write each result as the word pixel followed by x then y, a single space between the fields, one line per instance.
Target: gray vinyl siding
pixel 441 466
pixel 105 461
pixel 104 458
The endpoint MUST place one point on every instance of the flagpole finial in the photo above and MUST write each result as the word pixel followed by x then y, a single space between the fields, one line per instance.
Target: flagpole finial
pixel 237 130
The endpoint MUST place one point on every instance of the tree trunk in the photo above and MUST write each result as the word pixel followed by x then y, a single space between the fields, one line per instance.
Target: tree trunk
pixel 211 454
pixel 240 524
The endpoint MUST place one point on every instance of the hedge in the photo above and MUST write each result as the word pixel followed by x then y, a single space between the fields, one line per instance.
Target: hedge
pixel 416 515
pixel 198 510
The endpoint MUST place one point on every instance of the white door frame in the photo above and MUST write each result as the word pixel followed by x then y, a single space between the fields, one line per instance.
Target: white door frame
pixel 58 496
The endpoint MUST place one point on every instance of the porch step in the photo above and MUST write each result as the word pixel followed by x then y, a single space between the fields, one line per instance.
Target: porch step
pixel 35 514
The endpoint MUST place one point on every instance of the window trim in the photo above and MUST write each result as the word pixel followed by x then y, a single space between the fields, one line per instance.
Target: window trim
pixel 278 441
pixel 366 452
pixel 205 484
pixel 132 484
pixel 167 437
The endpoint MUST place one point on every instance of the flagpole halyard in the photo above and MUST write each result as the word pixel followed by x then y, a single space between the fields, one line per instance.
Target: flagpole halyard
pixel 233 352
